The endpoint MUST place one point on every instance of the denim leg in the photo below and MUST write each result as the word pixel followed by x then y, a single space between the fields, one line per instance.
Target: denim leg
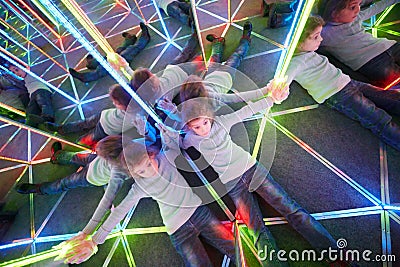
pixel 33 108
pixel 77 179
pixel 83 159
pixel 43 99
pixel 93 136
pixel 384 68
pixel 188 245
pixel 236 58
pixel 132 50
pixel 296 216
pixel 388 100
pixel 351 102
pixel 93 75
pixel 81 125
pixel 214 232
pixel 174 11
pixel 249 211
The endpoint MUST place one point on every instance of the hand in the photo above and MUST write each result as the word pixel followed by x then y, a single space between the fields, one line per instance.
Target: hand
pixel 81 252
pixel 72 241
pixel 166 105
pixel 278 89
pixel 116 61
pixel 140 123
pixel 167 133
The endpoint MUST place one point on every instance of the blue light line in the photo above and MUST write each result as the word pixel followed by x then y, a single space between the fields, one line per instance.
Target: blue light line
pixel 86 44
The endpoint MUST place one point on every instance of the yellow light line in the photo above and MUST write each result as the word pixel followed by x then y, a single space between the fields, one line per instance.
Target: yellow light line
pixel 281 74
pixel 23 126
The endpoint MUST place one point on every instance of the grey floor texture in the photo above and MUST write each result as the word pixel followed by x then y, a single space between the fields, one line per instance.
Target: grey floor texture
pixel 333 167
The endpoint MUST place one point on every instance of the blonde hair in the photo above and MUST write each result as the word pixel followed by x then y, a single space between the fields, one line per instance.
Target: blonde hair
pixel 135 152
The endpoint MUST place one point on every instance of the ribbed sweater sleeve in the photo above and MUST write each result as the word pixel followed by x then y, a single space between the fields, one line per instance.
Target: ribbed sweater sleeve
pixel 116 181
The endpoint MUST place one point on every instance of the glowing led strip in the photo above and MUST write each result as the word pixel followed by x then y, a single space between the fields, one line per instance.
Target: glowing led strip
pixel 392 84
pixel 83 19
pixel 29 260
pixel 31 129
pixel 326 163
pixel 72 29
pixel 40 19
pixel 199 37
pixel 240 260
pixel 162 21
pixel 209 187
pixel 383 16
pixel 288 56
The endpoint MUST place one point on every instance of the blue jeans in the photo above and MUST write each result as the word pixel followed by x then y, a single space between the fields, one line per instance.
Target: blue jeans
pixel 384 68
pixel 75 180
pixel 354 104
pixel 258 177
pixel 40 104
pixel 132 50
pixel 179 11
pixel 187 243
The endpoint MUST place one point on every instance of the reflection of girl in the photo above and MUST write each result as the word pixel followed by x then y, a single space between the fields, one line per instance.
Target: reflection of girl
pixel 344 36
pixel 13 92
pixel 327 84
pixel 183 216
pixel 177 10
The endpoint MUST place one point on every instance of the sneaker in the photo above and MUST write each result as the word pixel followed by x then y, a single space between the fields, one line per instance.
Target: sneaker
pixel 213 38
pixel 76 74
pixel 56 146
pixel 91 63
pixel 247 28
pixel 28 188
pixel 145 30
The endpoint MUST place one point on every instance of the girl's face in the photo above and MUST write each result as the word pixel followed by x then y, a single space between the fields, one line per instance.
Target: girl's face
pixel 348 14
pixel 17 71
pixel 312 42
pixel 147 168
pixel 201 126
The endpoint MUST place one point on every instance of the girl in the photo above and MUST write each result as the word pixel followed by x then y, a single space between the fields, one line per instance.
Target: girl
pixel 345 38
pixel 327 84
pixel 184 217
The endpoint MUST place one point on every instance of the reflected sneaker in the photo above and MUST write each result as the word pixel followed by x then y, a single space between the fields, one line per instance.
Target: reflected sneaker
pixel 56 146
pixel 27 188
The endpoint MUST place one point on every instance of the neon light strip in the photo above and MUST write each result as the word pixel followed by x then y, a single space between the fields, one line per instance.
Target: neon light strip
pixel 43 133
pixel 128 252
pixel 389 31
pixel 141 231
pixel 384 174
pixel 17 11
pixel 80 15
pixel 249 243
pixel 383 15
pixel 12 168
pixel 45 221
pixel 199 37
pixel 140 10
pixel 15 63
pixel 289 37
pixel 280 73
pixel 391 207
pixel 385 226
pixel 14 160
pixel 240 260
pixel 162 21
pixel 44 11
pixel 40 19
pixel 283 112
pixel 72 29
pixel 9 38
pixel 331 215
pixel 10 139
pixel 392 83
pixel 209 187
pixel 29 260
pixel 327 163
pixel 14 110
